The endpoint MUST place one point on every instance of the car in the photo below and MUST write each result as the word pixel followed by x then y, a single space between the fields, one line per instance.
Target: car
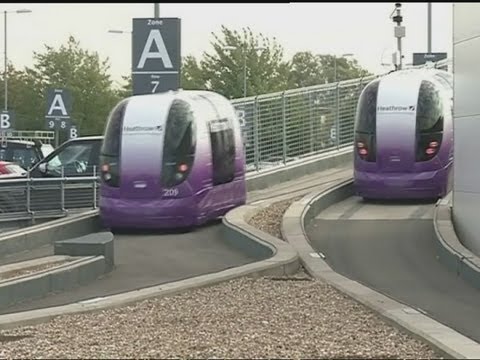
pixel 9 169
pixel 25 153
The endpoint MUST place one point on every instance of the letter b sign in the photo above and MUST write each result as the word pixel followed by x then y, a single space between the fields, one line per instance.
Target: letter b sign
pixel 73 133
pixel 6 120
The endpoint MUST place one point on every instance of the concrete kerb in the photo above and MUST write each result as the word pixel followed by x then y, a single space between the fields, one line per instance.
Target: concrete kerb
pixel 451 252
pixel 283 260
pixel 445 340
pixel 298 169
pixel 59 278
pixel 279 258
pixel 47 233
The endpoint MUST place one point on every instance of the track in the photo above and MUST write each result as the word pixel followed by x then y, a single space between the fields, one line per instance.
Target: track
pixel 148 259
pixel 390 247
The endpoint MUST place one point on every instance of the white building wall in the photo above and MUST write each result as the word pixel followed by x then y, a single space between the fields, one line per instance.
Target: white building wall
pixel 466 69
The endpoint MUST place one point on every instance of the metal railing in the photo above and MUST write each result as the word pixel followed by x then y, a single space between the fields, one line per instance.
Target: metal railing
pixel 286 126
pixel 34 198
pixel 28 135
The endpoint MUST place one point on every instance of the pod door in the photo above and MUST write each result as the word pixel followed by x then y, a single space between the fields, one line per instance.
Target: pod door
pixel 222 142
pixel 429 122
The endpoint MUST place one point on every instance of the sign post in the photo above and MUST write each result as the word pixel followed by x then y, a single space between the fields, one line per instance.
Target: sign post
pixel 156 55
pixel 7 120
pixel 59 107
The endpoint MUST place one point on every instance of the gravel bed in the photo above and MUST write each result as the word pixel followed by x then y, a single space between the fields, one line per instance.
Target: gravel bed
pixel 244 318
pixel 31 270
pixel 287 317
pixel 269 219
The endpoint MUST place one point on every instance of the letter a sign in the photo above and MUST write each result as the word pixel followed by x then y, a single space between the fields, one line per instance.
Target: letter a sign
pixel 156 55
pixel 59 107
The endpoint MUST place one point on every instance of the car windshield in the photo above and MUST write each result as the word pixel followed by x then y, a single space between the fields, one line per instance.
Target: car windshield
pixel 74 160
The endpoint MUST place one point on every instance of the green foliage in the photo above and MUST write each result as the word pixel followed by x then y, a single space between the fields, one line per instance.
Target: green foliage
pixel 192 77
pixel 71 67
pixel 223 70
pixel 85 75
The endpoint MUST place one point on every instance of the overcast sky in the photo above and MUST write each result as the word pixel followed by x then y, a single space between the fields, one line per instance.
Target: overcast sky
pixel 364 29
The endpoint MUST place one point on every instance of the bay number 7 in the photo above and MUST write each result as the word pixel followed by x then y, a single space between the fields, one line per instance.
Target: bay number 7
pixel 154 85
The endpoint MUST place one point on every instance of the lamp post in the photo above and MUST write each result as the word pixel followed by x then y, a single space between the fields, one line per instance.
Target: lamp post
pixel 244 52
pixel 20 11
pixel 119 32
pixel 335 64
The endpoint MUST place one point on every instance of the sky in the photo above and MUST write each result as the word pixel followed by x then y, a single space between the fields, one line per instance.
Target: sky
pixel 363 29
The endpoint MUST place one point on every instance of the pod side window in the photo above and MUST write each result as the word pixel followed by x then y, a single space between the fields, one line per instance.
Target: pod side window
pixel 110 150
pixel 223 150
pixel 366 115
pixel 430 112
pixel 179 144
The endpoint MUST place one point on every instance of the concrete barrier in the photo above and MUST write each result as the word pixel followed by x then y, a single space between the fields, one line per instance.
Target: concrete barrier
pixel 450 250
pixel 298 169
pixel 60 278
pixel 47 233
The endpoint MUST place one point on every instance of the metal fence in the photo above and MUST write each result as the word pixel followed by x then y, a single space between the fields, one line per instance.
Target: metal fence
pixel 277 128
pixel 282 127
pixel 35 198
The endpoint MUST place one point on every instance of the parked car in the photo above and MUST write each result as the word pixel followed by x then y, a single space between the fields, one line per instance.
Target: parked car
pixel 9 170
pixel 22 152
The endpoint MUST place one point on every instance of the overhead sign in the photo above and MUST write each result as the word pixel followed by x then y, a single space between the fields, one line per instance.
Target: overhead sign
pixel 156 55
pixel 57 124
pixel 73 132
pixel 7 120
pixel 422 58
pixel 59 107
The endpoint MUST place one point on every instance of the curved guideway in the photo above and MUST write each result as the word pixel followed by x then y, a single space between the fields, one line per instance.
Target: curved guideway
pixel 149 259
pixel 390 247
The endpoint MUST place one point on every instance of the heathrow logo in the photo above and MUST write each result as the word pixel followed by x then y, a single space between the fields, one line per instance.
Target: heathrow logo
pixel 394 108
pixel 137 129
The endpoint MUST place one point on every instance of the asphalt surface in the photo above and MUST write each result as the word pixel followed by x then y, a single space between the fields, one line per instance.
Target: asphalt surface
pixel 390 247
pixel 147 259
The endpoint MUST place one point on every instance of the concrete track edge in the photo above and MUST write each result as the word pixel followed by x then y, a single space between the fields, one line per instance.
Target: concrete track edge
pixel 85 223
pixel 450 250
pixel 283 260
pixel 300 213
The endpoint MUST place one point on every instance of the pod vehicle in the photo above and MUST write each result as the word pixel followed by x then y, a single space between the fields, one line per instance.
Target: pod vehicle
pixel 403 145
pixel 171 160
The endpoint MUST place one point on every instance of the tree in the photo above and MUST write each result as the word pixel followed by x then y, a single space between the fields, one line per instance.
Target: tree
pixel 127 89
pixel 223 70
pixel 305 70
pixel 84 74
pixel 193 78
pixel 308 69
pixel 345 68
pixel 22 99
